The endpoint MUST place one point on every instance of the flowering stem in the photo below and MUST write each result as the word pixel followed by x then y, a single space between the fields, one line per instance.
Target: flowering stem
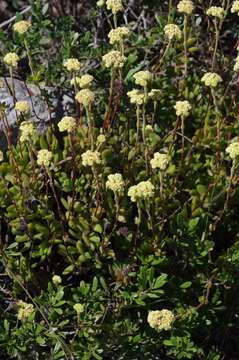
pixel 183 139
pixel 138 122
pixel 185 44
pixel 217 115
pixel 161 183
pixel 165 53
pixel 90 125
pixel 169 10
pixel 216 44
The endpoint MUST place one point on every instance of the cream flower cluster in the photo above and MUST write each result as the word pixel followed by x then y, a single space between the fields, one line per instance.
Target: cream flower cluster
pixel 216 11
pixel 21 26
pixel 114 5
pixel 114 59
pixel 235 7
pixel 79 308
pixel 211 79
pixel 142 191
pixel 67 123
pixel 155 94
pixel 161 319
pixel 84 81
pixel 11 59
pixel 85 97
pixel 136 97
pixel 24 310
pixel 142 78
pixel 182 108
pixel 28 131
pixel 72 64
pixel 22 106
pixel 1 155
pixel 115 183
pixel 57 280
pixel 44 157
pixel 117 35
pixel 185 6
pixel 236 66
pixel 90 158
pixel 172 31
pixel 233 150
pixel 159 161
pixel 100 3
pixel 101 139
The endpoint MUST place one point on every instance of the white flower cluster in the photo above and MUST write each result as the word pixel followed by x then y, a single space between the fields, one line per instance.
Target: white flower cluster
pixel 235 7
pixel 67 123
pixel 90 158
pixel 155 94
pixel 101 139
pixel 159 161
pixel 115 183
pixel 136 97
pixel 11 59
pixel 84 81
pixel 236 66
pixel 182 108
pixel 21 26
pixel 28 131
pixel 211 79
pixel 85 97
pixel 161 319
pixel 24 310
pixel 216 11
pixel 142 191
pixel 44 157
pixel 22 106
pixel 114 59
pixel 72 64
pixel 185 6
pixel 57 280
pixel 114 5
pixel 172 31
pixel 233 150
pixel 142 78
pixel 117 35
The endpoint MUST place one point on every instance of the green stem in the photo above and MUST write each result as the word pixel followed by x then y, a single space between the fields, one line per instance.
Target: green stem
pixel 185 45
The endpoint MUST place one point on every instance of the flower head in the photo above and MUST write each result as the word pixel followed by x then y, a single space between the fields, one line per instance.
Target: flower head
pixel 182 108
pixel 155 94
pixel 211 79
pixel 216 11
pixel 24 310
pixel 236 66
pixel 172 31
pixel 185 6
pixel 114 5
pixel 28 131
pixel 142 191
pixel 44 157
pixel 79 308
pixel 57 280
pixel 101 139
pixel 235 7
pixel 67 123
pixel 161 319
pixel 21 26
pixel 115 183
pixel 11 59
pixel 22 106
pixel 84 81
pixel 117 35
pixel 85 97
pixel 114 59
pixel 72 64
pixel 136 97
pixel 233 150
pixel 90 158
pixel 142 78
pixel 159 161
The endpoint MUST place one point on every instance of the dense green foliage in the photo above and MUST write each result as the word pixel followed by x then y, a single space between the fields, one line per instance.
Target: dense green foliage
pixel 120 259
